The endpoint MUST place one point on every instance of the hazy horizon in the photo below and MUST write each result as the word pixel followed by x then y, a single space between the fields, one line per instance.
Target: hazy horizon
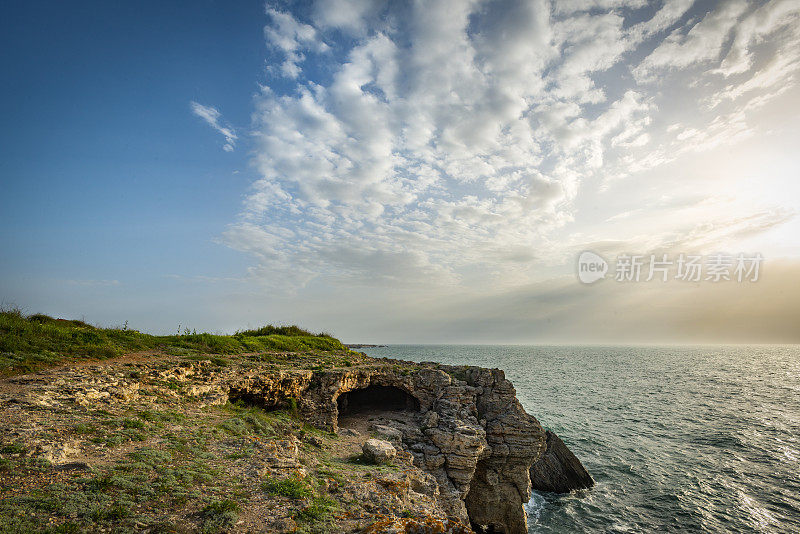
pixel 417 172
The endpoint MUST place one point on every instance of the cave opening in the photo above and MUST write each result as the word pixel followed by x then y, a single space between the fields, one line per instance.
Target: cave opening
pixel 244 398
pixel 375 398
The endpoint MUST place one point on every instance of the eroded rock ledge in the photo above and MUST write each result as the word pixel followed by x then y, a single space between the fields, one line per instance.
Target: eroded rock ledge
pixel 464 425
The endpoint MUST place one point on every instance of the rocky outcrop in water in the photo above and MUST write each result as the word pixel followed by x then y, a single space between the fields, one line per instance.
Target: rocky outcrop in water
pixel 558 470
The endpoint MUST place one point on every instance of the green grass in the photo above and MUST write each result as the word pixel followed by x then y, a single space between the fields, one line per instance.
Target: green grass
pixel 13 448
pixel 131 495
pixel 288 331
pixel 249 420
pixel 318 509
pixel 30 342
pixel 293 488
pixel 219 516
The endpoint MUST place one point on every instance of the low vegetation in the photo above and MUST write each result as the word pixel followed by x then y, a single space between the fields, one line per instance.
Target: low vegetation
pixel 293 488
pixel 139 446
pixel 33 341
pixel 181 472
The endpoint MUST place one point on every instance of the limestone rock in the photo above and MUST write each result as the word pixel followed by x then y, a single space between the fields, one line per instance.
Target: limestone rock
pixel 377 451
pixel 387 432
pixel 58 452
pixel 419 525
pixel 281 456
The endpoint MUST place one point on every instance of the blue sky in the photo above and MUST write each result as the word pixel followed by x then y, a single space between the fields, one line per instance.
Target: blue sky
pixel 107 175
pixel 404 172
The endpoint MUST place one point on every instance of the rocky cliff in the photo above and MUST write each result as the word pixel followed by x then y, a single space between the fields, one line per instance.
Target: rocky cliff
pixel 464 425
pixel 466 450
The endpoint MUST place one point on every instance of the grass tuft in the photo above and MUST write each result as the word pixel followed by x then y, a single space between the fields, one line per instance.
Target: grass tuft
pixel 292 487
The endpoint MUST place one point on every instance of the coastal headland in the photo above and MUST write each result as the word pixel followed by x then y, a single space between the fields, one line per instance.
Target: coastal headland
pixel 258 432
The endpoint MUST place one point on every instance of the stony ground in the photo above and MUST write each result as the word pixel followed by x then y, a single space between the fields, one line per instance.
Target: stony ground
pixel 141 443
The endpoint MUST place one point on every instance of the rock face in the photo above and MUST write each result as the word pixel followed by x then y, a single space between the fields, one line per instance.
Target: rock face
pixel 464 425
pixel 558 470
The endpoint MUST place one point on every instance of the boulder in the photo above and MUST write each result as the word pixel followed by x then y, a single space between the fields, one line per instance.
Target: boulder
pixel 280 456
pixel 377 451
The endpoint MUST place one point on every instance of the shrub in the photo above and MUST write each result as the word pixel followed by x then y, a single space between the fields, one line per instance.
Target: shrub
pixel 150 457
pixel 13 448
pixel 270 330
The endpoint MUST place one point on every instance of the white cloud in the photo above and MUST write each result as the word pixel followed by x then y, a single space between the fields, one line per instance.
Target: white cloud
pixel 291 37
pixel 347 15
pixel 202 279
pixel 775 75
pixel 703 42
pixel 567 7
pixel 754 28
pixel 449 143
pixel 669 14
pixel 212 117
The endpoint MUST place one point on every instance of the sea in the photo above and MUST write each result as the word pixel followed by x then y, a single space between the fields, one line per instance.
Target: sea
pixel 677 438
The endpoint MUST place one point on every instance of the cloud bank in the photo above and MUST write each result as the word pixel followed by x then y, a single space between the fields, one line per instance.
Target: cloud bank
pixel 416 142
pixel 472 146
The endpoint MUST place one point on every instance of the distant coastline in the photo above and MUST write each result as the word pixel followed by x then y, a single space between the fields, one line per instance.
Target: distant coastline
pixel 362 346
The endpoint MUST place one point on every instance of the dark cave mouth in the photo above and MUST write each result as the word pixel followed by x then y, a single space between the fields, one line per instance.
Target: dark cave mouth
pixel 375 398
pixel 244 398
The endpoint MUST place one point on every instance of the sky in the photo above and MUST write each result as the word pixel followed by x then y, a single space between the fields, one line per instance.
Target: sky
pixel 403 172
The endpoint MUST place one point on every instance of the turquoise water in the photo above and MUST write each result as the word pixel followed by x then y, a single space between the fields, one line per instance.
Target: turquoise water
pixel 678 439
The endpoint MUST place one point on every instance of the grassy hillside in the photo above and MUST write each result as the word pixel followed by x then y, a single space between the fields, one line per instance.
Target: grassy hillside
pixel 29 342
